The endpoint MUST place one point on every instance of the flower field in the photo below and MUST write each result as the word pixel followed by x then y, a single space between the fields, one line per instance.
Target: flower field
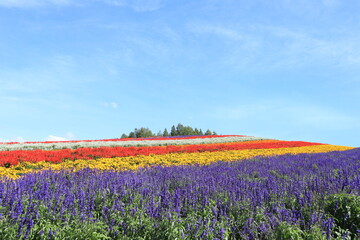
pixel 191 187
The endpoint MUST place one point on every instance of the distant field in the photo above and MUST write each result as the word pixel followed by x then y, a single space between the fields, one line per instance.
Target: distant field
pixel 187 187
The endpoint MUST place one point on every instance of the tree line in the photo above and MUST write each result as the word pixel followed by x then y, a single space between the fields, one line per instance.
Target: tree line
pixel 179 130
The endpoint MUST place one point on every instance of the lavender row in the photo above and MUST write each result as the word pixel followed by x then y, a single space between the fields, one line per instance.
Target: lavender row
pixel 263 198
pixel 136 143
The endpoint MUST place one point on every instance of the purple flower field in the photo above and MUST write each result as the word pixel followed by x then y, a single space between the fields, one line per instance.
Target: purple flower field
pixel 304 196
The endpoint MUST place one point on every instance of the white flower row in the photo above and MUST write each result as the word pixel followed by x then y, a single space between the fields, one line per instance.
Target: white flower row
pixel 136 143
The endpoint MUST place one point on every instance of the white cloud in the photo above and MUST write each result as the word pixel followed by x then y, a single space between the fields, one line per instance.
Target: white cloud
pixel 68 136
pixel 110 104
pixel 113 105
pixel 55 138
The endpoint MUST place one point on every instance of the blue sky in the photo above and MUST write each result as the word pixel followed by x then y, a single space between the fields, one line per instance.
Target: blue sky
pixel 94 69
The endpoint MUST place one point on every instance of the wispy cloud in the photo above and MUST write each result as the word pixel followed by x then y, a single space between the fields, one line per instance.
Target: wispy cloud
pixel 25 81
pixel 205 28
pixel 307 48
pixel 331 3
pixel 44 74
pixel 294 115
pixel 63 61
pixel 33 3
pixel 120 3
pixel 136 5
pixel 271 47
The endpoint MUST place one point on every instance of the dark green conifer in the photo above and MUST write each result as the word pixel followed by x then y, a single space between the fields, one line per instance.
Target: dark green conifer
pixel 166 133
pixel 173 131
pixel 179 129
pixel 196 131
pixel 208 132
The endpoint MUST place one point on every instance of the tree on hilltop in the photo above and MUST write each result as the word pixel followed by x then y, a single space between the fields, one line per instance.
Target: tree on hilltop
pixel 173 131
pixel 208 132
pixel 165 133
pixel 143 133
pixel 179 130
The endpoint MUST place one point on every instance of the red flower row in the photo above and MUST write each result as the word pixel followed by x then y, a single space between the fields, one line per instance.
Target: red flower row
pixel 14 157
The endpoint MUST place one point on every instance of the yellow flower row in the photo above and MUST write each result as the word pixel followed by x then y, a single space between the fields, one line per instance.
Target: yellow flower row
pixel 135 162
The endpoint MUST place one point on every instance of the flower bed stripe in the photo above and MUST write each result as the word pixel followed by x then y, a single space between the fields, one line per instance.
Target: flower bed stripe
pixel 15 157
pixel 135 162
pixel 146 142
pixel 127 139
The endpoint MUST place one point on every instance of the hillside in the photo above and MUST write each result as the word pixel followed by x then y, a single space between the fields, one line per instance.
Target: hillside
pixel 188 187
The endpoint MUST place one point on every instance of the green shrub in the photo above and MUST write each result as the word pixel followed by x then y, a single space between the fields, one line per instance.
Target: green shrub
pixel 345 209
pixel 286 231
